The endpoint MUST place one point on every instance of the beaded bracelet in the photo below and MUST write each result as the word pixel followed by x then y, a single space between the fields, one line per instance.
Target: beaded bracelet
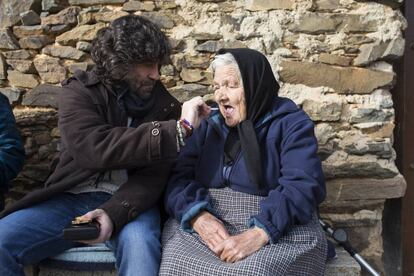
pixel 180 134
pixel 188 126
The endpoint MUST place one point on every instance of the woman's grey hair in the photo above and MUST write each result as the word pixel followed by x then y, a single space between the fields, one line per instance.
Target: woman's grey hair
pixel 223 60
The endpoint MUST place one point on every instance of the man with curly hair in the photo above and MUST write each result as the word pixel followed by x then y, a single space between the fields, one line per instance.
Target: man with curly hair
pixel 11 148
pixel 119 138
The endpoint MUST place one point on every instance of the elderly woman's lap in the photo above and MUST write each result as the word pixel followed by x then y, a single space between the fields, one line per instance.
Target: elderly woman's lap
pixel 302 251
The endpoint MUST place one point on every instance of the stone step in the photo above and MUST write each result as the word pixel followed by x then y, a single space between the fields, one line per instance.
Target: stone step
pixel 342 265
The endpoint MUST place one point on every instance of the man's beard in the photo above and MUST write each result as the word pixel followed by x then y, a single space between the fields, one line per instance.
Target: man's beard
pixel 142 88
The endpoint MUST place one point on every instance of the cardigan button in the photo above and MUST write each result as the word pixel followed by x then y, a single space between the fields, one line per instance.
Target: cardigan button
pixel 125 204
pixel 155 132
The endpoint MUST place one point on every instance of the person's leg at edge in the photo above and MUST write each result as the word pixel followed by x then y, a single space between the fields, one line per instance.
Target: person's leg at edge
pixel 33 234
pixel 137 247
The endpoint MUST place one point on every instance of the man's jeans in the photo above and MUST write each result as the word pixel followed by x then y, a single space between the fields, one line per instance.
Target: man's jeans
pixel 30 235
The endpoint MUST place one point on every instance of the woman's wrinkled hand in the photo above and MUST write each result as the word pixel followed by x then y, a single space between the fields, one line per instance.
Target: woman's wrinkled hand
pixel 210 229
pixel 238 247
pixel 195 110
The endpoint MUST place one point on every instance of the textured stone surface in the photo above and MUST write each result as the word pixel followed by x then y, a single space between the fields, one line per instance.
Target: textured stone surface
pixel 323 111
pixel 95 2
pixel 335 59
pixel 19 54
pixel 10 10
pixel 3 72
pixel 63 52
pixel 23 31
pixel 65 17
pixel 342 80
pixel 265 5
pixel 12 93
pixel 30 18
pixel 44 95
pixel 19 79
pixel 35 42
pixel 7 40
pixel 365 188
pixel 162 20
pixel 21 65
pixel 188 91
pixel 380 50
pixel 54 6
pixel 343 265
pixel 49 69
pixel 109 16
pixel 84 32
pixel 83 46
pixel 138 6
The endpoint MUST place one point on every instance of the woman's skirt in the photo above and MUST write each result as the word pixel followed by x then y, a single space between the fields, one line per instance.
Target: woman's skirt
pixel 302 251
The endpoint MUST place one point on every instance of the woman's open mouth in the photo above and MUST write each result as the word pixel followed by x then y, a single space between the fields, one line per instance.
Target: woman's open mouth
pixel 227 110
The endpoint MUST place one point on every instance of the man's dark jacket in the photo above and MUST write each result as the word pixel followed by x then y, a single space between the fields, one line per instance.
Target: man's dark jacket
pixel 11 147
pixel 94 138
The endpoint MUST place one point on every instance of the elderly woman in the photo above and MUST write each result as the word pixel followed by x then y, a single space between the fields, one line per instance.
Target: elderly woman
pixel 246 187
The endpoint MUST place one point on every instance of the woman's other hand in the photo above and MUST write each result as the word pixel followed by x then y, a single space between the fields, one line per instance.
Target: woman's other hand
pixel 195 110
pixel 238 247
pixel 210 229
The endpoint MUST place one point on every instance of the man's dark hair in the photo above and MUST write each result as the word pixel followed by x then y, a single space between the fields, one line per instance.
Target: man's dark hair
pixel 128 41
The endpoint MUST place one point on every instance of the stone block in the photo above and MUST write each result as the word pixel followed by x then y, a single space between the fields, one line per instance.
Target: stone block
pixel 80 33
pixel 19 54
pixel 23 31
pixel 56 30
pixel 196 75
pixel 78 66
pixel 335 59
pixel 314 23
pixel 19 79
pixel 187 91
pixel 163 20
pixel 138 6
pixel 30 18
pixel 95 2
pixel 44 95
pixel 342 80
pixel 109 16
pixel 198 61
pixel 83 46
pixel 323 111
pixel 35 42
pixel 66 52
pixel 341 189
pixel 327 5
pixel 49 69
pixel 210 46
pixel 266 5
pixel 343 265
pixel 54 6
pixel 12 93
pixel 10 10
pixel 380 50
pixel 8 40
pixel 3 68
pixel 342 165
pixel 22 65
pixel 67 16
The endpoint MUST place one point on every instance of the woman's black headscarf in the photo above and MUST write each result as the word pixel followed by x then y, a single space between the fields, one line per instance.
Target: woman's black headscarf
pixel 260 88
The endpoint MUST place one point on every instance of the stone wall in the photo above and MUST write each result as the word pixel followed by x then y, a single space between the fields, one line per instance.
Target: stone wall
pixel 332 57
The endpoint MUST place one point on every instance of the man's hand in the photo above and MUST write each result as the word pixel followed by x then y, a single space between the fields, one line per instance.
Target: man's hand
pixel 195 110
pixel 241 246
pixel 106 225
pixel 210 229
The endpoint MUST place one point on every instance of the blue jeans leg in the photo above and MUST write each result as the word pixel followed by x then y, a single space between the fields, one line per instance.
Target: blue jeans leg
pixel 137 247
pixel 30 235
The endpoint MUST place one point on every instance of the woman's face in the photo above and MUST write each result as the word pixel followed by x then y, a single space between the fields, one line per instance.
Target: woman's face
pixel 229 95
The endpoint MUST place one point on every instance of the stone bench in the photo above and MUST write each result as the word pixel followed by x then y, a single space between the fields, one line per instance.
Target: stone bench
pixel 99 260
